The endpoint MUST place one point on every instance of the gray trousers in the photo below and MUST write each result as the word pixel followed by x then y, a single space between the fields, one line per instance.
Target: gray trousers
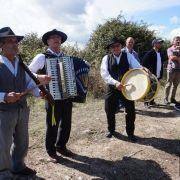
pixel 173 79
pixel 13 138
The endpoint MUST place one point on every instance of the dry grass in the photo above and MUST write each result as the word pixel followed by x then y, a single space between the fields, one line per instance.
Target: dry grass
pixel 154 156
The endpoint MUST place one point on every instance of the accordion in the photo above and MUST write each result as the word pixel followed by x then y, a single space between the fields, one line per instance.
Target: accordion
pixel 69 78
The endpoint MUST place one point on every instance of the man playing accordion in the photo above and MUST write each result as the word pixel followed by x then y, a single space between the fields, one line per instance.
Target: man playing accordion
pixel 57 134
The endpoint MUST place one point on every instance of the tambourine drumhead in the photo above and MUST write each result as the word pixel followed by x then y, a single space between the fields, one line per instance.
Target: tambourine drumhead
pixel 137 84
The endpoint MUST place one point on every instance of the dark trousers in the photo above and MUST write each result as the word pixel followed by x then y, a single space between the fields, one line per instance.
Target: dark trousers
pixel 58 135
pixel 111 103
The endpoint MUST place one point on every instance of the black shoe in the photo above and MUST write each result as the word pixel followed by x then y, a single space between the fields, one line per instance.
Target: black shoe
pixel 64 151
pixel 53 156
pixel 177 107
pixel 109 134
pixel 26 172
pixel 152 103
pixel 174 101
pixel 132 138
pixel 146 105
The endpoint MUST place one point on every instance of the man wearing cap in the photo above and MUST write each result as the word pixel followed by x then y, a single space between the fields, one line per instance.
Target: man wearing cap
pixel 14 113
pixel 173 71
pixel 114 65
pixel 153 60
pixel 56 135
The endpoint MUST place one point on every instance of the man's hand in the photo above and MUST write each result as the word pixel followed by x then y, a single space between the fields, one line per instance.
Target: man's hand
pixel 43 96
pixel 146 69
pixel 119 86
pixel 44 79
pixel 12 97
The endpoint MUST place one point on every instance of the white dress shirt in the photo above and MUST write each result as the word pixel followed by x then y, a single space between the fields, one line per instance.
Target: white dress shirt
pixel 133 63
pixel 38 61
pixel 159 64
pixel 29 82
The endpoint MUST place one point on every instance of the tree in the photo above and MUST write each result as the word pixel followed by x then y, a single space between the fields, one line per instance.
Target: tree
pixel 118 27
pixel 31 46
pixel 96 47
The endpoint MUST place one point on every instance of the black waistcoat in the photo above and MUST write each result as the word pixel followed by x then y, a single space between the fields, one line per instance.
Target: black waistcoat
pixel 117 71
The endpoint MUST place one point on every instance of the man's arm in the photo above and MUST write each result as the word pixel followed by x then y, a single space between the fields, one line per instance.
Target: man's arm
pixel 171 56
pixel 37 63
pixel 146 59
pixel 105 73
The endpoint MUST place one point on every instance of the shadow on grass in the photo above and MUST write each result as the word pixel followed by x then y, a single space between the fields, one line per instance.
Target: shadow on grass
pixel 150 112
pixel 34 177
pixel 126 169
pixel 171 146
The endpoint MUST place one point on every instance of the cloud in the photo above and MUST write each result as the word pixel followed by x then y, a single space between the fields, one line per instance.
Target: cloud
pixel 25 17
pixel 159 29
pixel 174 32
pixel 175 20
pixel 77 18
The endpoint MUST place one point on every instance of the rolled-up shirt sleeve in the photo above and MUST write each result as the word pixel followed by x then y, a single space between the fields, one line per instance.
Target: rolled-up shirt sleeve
pixel 169 52
pixel 37 63
pixel 30 84
pixel 105 73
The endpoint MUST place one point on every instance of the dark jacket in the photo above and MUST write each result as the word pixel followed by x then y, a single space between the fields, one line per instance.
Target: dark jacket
pixel 150 61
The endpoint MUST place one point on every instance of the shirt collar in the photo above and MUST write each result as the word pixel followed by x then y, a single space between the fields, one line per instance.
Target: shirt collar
pixel 128 50
pixel 117 56
pixel 57 54
pixel 7 62
pixel 4 59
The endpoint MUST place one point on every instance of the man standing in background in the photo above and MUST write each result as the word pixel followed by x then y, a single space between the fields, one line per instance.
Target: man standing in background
pixel 153 61
pixel 173 71
pixel 129 48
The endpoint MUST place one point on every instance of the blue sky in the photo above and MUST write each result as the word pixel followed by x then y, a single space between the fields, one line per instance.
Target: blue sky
pixel 79 18
pixel 166 19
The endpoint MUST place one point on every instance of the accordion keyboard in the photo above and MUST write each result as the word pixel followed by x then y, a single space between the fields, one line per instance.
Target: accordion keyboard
pixel 63 83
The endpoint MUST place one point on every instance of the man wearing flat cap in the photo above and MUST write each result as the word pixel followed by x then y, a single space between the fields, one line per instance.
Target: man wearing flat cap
pixel 14 113
pixel 57 135
pixel 153 60
pixel 114 65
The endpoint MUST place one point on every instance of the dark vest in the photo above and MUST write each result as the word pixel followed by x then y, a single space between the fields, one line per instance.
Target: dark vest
pixel 10 83
pixel 117 71
pixel 47 55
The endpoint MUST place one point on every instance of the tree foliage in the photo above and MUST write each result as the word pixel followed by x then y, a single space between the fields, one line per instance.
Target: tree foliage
pixel 96 46
pixel 31 46
pixel 119 27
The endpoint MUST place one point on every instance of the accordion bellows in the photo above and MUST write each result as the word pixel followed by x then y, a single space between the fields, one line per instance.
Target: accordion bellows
pixel 69 78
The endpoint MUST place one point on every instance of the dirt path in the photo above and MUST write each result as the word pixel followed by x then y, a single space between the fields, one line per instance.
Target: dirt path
pixel 154 156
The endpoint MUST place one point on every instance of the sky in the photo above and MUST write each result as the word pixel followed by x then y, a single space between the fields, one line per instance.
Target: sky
pixel 79 18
